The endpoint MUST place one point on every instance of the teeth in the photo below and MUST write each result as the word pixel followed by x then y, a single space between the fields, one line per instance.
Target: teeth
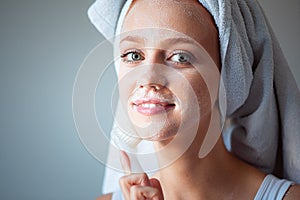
pixel 149 105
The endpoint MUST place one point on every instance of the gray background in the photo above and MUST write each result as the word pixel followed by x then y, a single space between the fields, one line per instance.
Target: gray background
pixel 42 45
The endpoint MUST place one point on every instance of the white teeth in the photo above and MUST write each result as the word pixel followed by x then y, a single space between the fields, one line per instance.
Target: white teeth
pixel 149 105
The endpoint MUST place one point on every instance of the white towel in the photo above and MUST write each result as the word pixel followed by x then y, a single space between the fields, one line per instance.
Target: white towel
pixel 262 95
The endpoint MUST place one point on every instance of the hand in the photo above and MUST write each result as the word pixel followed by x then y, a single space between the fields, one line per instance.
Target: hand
pixel 138 186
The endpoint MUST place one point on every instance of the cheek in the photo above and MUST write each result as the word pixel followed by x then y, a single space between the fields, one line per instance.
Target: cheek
pixel 202 93
pixel 122 70
pixel 126 83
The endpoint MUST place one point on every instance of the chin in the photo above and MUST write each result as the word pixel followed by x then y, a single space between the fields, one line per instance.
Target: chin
pixel 166 133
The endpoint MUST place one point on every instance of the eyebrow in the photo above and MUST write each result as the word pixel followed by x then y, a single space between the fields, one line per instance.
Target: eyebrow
pixel 174 40
pixel 133 38
pixel 168 41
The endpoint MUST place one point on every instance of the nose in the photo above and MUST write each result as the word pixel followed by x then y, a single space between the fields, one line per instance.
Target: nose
pixel 151 86
pixel 153 71
pixel 153 77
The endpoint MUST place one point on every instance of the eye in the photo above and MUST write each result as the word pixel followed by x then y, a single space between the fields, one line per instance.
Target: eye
pixel 132 56
pixel 180 58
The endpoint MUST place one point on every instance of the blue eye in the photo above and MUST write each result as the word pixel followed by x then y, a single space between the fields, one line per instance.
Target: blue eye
pixel 180 58
pixel 132 56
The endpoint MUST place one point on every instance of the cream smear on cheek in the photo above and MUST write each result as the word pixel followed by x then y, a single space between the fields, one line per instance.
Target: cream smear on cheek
pixel 165 124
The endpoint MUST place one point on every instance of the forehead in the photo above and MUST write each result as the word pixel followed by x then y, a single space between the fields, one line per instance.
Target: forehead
pixel 187 17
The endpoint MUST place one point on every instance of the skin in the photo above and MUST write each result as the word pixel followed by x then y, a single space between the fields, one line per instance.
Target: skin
pixel 219 175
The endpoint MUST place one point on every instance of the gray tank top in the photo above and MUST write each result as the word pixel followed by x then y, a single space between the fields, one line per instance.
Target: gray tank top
pixel 272 188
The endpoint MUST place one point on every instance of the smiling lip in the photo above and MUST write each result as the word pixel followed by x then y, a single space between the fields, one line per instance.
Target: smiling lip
pixel 152 106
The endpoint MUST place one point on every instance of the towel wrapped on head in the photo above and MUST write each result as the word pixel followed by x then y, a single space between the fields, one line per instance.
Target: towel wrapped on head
pixel 263 101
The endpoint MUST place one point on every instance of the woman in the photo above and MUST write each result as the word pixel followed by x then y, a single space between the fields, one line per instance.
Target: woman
pixel 151 93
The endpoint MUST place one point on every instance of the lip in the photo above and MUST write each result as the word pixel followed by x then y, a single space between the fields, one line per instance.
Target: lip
pixel 152 106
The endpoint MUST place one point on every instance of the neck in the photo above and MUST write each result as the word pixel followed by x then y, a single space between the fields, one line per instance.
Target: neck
pixel 215 176
pixel 196 175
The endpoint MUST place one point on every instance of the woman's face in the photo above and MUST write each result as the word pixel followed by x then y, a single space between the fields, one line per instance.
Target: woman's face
pixel 167 81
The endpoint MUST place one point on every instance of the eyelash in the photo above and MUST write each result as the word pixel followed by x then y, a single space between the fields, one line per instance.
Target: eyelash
pixel 124 55
pixel 177 52
pixel 174 53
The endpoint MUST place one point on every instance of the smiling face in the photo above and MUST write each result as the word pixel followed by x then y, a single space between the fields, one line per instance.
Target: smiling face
pixel 165 77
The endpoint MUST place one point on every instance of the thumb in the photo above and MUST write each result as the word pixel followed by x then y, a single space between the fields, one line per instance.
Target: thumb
pixel 125 162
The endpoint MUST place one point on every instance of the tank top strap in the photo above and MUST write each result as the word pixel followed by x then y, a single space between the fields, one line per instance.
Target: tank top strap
pixel 273 188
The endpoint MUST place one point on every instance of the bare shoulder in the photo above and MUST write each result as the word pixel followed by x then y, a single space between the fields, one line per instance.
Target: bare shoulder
pixel 293 193
pixel 105 197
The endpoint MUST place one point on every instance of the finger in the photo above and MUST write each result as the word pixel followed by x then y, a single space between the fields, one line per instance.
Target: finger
pixel 135 179
pixel 125 162
pixel 138 192
pixel 125 187
pixel 126 182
